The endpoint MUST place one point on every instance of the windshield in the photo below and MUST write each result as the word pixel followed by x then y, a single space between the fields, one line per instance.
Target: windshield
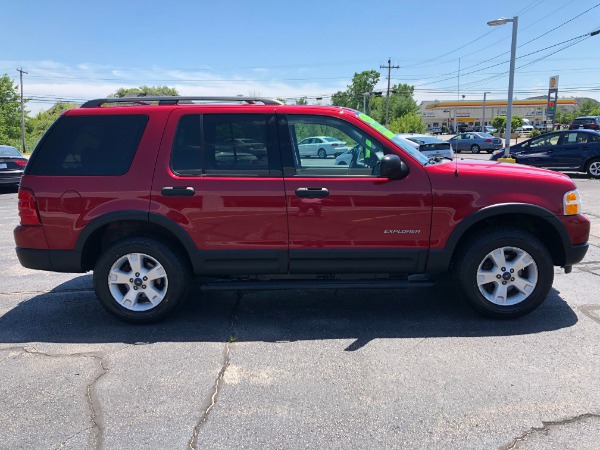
pixel 402 143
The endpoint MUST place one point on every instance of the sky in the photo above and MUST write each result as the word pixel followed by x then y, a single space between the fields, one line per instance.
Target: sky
pixel 78 50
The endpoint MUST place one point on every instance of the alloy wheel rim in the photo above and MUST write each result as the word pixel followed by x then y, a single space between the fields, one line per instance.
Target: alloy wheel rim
pixel 507 276
pixel 595 168
pixel 138 282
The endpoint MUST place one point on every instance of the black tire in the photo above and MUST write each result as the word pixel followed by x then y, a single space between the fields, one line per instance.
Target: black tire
pixel 322 153
pixel 342 163
pixel 167 281
pixel 475 148
pixel 524 290
pixel 593 168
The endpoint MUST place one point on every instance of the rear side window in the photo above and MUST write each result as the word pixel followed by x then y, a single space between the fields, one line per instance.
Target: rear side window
pixel 221 144
pixel 89 145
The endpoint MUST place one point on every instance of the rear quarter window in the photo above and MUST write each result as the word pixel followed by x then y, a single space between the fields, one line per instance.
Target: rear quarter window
pixel 89 145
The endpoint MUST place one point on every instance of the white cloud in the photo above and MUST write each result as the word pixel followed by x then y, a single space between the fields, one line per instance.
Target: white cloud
pixel 48 82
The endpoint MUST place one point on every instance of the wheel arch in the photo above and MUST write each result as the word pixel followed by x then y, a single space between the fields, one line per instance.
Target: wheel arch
pixel 532 218
pixel 105 230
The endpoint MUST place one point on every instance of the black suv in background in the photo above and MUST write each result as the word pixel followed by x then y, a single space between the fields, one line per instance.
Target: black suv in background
pixel 587 122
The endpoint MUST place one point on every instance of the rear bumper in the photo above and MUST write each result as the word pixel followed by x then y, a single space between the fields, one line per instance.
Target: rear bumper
pixel 50 260
pixel 9 178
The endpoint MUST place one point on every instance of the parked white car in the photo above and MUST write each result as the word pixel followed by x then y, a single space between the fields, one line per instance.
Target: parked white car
pixel 321 146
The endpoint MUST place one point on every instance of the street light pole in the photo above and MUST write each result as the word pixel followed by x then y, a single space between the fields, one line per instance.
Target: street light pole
pixel 511 76
pixel 483 115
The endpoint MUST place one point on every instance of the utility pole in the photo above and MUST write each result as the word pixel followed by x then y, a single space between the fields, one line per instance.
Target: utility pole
pixel 389 67
pixel 21 72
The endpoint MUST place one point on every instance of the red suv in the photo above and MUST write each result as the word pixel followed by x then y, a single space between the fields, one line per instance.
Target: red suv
pixel 151 192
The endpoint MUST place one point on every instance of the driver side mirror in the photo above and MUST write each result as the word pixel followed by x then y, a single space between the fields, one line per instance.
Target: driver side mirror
pixel 393 168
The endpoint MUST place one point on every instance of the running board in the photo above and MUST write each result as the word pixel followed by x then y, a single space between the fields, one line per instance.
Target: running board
pixel 252 285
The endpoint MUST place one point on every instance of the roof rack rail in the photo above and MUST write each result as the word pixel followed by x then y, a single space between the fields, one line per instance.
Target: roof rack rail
pixel 175 100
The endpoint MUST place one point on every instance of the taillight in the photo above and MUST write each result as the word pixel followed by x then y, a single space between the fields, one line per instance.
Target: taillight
pixel 28 208
pixel 334 145
pixel 488 140
pixel 21 162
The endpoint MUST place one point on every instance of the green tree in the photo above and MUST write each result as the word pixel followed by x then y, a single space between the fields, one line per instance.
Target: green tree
pixel 588 106
pixel 407 123
pixel 515 122
pixel 401 103
pixel 10 113
pixel 144 91
pixel 353 96
pixel 499 122
pixel 302 101
pixel 562 116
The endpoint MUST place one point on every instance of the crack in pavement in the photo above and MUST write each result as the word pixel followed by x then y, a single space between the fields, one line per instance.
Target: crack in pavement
pixel 545 428
pixel 212 400
pixel 589 310
pixel 91 396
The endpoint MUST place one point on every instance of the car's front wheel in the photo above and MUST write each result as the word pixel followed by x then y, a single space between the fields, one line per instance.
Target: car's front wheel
pixel 322 153
pixel 141 280
pixel 504 273
pixel 475 148
pixel 593 168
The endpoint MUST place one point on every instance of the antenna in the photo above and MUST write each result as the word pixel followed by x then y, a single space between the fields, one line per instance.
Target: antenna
pixel 455 163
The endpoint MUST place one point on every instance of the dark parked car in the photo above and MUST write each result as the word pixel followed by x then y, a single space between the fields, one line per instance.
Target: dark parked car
pixel 569 150
pixel 12 164
pixel 475 142
pixel 586 122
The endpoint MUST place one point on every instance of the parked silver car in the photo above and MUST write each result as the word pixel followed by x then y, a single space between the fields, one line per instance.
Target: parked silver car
pixel 321 146
pixel 475 142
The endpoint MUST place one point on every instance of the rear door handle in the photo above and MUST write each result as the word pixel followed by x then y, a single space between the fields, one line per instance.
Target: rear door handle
pixel 312 192
pixel 177 191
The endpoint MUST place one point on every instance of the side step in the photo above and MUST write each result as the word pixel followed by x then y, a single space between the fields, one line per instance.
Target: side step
pixel 251 285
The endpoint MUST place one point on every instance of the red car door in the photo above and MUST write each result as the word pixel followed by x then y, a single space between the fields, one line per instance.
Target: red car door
pixel 343 218
pixel 226 200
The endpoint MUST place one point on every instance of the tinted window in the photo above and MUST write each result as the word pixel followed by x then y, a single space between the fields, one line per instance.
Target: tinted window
pixel 221 144
pixel 544 141
pixel 89 145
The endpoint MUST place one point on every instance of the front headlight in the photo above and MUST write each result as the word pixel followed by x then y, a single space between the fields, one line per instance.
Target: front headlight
pixel 572 203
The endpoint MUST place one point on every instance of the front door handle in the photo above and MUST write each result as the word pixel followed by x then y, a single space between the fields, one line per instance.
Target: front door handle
pixel 177 191
pixel 312 192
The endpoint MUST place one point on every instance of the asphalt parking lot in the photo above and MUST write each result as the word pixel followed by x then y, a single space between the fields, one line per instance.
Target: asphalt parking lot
pixel 410 369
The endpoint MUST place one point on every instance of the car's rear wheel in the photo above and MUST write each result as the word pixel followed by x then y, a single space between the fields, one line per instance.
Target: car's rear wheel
pixel 593 168
pixel 475 148
pixel 141 280
pixel 322 153
pixel 504 273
